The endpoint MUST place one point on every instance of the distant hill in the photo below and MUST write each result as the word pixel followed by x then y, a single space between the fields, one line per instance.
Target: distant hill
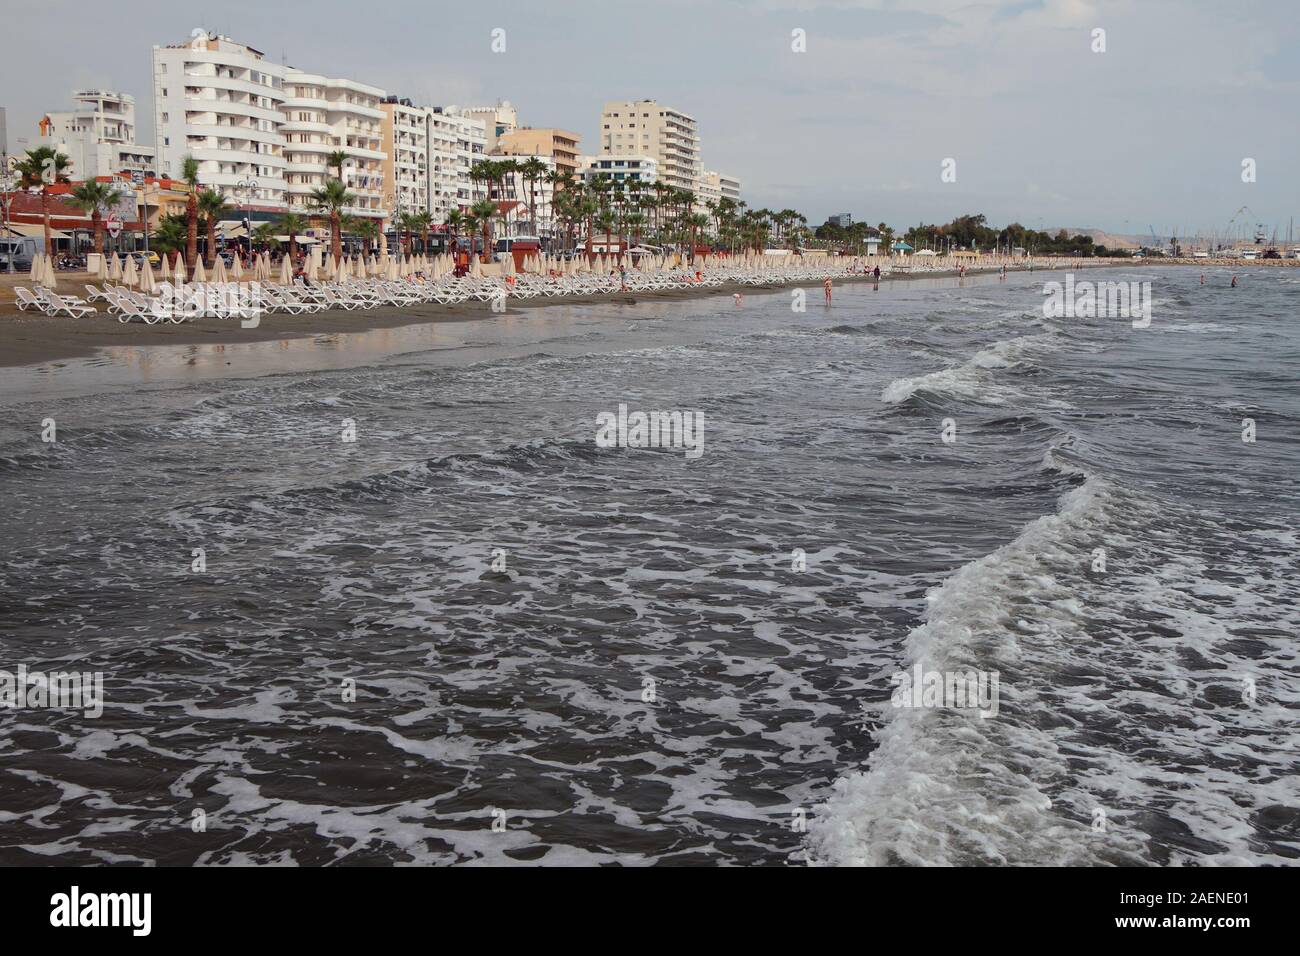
pixel 1111 240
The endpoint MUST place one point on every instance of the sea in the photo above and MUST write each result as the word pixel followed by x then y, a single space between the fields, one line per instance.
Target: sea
pixel 381 598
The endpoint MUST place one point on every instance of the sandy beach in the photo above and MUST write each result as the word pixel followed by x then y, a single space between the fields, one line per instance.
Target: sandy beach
pixel 28 338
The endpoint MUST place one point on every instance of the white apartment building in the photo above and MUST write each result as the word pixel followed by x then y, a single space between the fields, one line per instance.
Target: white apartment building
pixel 456 142
pixel 646 127
pixel 323 115
pixel 620 167
pixel 406 163
pixel 713 186
pixel 220 101
pixel 730 187
pixel 98 135
pixel 708 189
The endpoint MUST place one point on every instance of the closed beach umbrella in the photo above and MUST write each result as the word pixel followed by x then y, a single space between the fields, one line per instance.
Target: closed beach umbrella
pixel 102 271
pixel 114 269
pixel 38 268
pixel 129 277
pixel 166 270
pixel 219 271
pixel 237 268
pixel 200 274
pixel 286 275
pixel 147 281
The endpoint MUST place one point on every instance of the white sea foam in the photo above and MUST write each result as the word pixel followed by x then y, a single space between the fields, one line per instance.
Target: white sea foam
pixel 970 380
pixel 1116 685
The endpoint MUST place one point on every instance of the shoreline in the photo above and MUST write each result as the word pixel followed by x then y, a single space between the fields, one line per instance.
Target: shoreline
pixel 34 340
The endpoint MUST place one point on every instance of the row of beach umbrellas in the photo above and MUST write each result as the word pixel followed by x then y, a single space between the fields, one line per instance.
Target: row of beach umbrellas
pixel 322 266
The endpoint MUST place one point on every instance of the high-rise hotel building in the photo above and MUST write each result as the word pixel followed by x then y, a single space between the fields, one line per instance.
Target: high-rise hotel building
pixel 221 102
pixel 322 116
pixel 648 128
pixel 263 134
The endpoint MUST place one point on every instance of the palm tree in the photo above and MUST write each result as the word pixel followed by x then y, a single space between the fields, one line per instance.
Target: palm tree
pixel 534 170
pixel 264 235
pixel 424 222
pixel 409 223
pixel 95 198
pixel 696 222
pixel 336 159
pixel 169 236
pixel 455 222
pixel 365 227
pixel 470 223
pixel 587 207
pixel 483 211
pixel 44 166
pixel 886 238
pixel 635 221
pixel 213 206
pixel 291 224
pixel 190 173
pixel 333 198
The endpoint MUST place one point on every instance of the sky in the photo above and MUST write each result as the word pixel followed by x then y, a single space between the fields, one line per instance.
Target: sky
pixel 1043 129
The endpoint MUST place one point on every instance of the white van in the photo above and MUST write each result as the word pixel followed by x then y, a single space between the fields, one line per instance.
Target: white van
pixel 22 250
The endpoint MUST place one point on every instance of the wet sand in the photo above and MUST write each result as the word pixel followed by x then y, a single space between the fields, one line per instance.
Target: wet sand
pixel 29 338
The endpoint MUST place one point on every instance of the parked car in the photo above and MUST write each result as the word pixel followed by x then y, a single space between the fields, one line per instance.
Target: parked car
pixel 150 257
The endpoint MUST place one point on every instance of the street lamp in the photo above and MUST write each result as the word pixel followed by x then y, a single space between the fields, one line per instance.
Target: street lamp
pixel 248 187
pixel 7 184
pixel 393 206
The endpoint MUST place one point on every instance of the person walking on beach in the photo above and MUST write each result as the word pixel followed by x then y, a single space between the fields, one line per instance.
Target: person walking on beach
pixel 622 280
pixel 826 287
pixel 876 273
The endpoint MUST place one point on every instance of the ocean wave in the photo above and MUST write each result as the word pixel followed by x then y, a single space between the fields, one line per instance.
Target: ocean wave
pixel 969 379
pixel 947 787
pixel 1116 678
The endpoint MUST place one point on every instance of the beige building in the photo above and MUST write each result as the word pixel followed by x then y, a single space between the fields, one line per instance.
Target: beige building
pixel 558 144
pixel 648 128
pixel 497 121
